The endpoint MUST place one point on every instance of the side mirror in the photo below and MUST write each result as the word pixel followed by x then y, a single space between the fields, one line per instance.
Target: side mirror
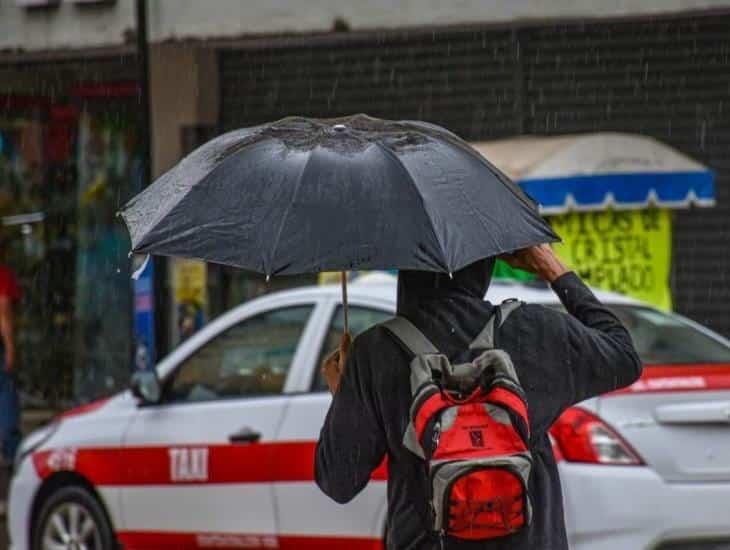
pixel 145 386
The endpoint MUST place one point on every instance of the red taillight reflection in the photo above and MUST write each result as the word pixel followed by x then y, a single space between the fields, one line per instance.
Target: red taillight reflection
pixel 579 436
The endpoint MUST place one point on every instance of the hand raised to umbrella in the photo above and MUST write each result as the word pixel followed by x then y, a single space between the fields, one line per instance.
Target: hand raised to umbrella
pixel 540 260
pixel 334 365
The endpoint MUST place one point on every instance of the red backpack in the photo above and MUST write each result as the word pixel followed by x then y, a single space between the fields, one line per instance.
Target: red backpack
pixel 469 423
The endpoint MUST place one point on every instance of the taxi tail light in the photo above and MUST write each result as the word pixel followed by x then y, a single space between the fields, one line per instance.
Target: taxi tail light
pixel 579 436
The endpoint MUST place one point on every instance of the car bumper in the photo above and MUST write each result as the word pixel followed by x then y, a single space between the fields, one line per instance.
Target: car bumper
pixel 23 488
pixel 630 507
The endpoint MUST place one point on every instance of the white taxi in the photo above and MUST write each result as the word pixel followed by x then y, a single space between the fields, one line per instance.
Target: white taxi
pixel 217 449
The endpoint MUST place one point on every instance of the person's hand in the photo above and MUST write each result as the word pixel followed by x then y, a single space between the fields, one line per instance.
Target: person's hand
pixel 334 365
pixel 540 260
pixel 9 360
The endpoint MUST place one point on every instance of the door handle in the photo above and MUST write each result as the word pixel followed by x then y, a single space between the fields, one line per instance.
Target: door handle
pixel 245 435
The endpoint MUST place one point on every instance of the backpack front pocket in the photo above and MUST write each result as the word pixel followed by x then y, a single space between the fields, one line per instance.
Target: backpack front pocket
pixel 481 499
pixel 472 431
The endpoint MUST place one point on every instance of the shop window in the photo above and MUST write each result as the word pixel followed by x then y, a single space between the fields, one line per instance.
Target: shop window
pixel 69 158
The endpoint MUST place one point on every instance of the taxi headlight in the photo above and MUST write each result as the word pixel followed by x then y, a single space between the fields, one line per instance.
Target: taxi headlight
pixel 34 440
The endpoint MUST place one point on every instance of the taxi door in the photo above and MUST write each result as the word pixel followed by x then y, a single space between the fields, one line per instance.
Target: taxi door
pixel 197 466
pixel 307 517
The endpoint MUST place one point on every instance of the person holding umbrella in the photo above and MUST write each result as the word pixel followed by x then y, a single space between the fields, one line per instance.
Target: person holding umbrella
pixel 306 195
pixel 560 360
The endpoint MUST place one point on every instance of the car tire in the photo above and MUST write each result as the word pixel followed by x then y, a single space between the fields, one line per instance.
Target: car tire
pixel 72 513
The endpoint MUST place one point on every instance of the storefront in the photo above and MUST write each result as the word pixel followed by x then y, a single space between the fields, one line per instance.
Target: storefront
pixel 610 197
pixel 69 156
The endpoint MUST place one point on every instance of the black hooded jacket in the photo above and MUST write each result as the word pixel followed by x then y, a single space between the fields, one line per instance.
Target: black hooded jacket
pixel 560 360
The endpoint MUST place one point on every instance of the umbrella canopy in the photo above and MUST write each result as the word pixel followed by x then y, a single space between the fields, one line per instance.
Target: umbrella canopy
pixel 307 195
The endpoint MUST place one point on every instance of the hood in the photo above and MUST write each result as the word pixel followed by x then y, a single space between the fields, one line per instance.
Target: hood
pixel 417 287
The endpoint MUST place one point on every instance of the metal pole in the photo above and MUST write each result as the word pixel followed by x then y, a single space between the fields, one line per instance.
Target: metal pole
pixel 160 266
pixel 144 90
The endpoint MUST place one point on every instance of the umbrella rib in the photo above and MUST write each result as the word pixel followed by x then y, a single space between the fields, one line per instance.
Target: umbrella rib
pixel 459 143
pixel 391 154
pixel 284 217
pixel 171 179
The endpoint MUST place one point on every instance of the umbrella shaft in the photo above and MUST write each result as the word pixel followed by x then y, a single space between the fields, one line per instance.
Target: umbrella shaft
pixel 343 276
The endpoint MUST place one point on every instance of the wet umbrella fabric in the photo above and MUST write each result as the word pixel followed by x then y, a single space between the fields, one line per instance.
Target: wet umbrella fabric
pixel 307 195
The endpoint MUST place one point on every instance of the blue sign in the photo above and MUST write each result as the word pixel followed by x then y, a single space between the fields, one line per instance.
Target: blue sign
pixel 144 317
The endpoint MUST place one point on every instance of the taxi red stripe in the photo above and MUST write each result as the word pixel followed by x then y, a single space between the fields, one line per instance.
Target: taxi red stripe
pixel 83 409
pixel 150 540
pixel 151 465
pixel 680 378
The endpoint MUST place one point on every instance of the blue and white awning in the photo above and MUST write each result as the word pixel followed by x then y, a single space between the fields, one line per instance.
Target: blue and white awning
pixel 597 171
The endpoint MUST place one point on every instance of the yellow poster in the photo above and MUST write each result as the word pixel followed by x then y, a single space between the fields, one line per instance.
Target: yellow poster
pixel 329 278
pixel 623 251
pixel 189 281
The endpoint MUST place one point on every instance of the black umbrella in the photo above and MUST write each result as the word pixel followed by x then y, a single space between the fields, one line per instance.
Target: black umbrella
pixel 308 195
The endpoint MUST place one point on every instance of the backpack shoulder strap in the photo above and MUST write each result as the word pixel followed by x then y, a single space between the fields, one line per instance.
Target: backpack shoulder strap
pixel 485 339
pixel 407 333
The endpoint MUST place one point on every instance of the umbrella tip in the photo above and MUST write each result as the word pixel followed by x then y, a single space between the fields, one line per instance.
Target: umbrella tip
pixel 138 272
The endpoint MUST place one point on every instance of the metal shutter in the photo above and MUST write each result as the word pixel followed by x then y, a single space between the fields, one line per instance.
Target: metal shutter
pixel 462 80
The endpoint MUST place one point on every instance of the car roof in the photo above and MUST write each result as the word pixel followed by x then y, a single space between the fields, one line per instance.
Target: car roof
pixel 383 287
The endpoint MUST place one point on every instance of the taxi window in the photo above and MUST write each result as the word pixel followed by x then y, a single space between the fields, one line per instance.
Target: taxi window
pixel 249 359
pixel 361 319
pixel 664 339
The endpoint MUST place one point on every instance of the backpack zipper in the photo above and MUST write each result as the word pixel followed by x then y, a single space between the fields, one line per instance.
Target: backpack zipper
pixel 436 437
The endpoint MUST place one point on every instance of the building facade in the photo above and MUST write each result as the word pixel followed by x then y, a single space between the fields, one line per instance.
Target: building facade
pixel 70 128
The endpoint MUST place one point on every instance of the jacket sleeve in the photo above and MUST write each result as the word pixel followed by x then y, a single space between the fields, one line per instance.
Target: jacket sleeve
pixel 352 442
pixel 601 355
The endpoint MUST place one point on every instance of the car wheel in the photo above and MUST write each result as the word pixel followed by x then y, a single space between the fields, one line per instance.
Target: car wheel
pixel 72 519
